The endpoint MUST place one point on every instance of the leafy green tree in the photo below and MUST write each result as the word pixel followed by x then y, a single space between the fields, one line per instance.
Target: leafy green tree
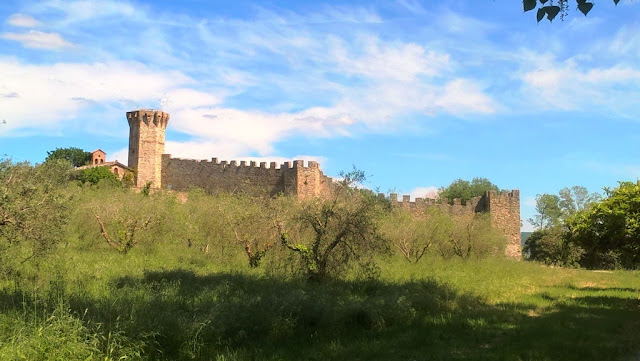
pixel 548 210
pixel 344 230
pixel 551 9
pixel 34 210
pixel 575 199
pixel 465 190
pixel 76 156
pixel 97 174
pixel 549 243
pixel 551 247
pixel 609 231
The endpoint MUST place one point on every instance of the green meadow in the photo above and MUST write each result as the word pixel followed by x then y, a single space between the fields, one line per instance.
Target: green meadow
pixel 170 303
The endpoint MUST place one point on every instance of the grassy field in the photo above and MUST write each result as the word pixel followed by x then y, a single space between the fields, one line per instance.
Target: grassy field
pixel 169 303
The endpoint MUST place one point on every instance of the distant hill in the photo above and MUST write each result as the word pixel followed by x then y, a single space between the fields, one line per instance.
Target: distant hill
pixel 524 236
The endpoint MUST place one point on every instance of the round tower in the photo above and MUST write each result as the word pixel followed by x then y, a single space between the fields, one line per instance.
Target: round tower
pixel 146 145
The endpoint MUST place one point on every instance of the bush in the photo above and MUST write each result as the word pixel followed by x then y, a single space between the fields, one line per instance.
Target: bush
pixel 343 227
pixel 551 247
pixel 415 236
pixel 97 174
pixel 472 236
pixel 609 231
pixel 34 210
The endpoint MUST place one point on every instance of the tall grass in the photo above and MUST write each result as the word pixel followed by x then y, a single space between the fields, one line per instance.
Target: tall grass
pixel 186 292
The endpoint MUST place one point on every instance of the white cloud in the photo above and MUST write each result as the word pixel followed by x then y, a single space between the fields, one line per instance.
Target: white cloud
pixel 463 96
pixel 430 192
pixel 23 21
pixel 387 61
pixel 46 96
pixel 254 131
pixel 38 40
pixel 570 85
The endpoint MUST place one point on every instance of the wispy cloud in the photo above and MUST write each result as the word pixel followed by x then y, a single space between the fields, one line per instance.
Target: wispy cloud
pixel 38 40
pixel 573 85
pixel 47 96
pixel 23 21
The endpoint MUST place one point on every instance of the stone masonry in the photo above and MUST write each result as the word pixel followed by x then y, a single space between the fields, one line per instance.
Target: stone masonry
pixel 146 145
pixel 150 164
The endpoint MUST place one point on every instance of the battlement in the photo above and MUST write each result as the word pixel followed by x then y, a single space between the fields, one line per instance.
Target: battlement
pixel 247 165
pixel 420 205
pixel 148 117
pixel 252 177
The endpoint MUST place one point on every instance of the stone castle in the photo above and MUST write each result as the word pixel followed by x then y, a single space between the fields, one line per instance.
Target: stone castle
pixel 152 166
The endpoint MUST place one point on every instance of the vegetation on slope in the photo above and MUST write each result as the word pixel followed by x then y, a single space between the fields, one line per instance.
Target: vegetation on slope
pixel 123 275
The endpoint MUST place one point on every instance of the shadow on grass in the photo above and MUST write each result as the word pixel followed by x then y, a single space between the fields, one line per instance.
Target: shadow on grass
pixel 185 316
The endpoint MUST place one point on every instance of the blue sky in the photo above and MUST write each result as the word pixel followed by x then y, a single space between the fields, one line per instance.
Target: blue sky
pixel 417 94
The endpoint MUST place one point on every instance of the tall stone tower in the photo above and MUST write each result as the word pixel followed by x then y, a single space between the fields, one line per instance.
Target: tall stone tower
pixel 146 145
pixel 504 208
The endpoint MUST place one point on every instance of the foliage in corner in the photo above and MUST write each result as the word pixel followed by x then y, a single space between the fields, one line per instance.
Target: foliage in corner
pixel 609 231
pixel 551 9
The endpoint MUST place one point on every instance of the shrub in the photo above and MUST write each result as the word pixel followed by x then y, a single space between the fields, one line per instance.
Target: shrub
pixel 97 174
pixel 344 230
pixel 34 210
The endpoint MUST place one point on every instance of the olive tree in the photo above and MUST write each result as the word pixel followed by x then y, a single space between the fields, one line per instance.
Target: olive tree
pixel 343 228
pixel 413 236
pixel 34 209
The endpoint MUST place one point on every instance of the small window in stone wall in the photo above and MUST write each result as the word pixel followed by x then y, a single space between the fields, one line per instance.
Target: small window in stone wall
pixel 95 161
pixel 115 170
pixel 101 161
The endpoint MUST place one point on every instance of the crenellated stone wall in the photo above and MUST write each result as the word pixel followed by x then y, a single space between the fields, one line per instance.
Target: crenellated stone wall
pixel 504 208
pixel 264 179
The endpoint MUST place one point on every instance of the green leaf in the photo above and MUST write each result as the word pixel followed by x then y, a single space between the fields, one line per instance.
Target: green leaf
pixel 581 1
pixel 585 7
pixel 552 11
pixel 543 1
pixel 529 4
pixel 541 14
pixel 616 1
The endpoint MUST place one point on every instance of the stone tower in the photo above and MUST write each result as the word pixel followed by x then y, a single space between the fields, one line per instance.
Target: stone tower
pixel 146 145
pixel 504 208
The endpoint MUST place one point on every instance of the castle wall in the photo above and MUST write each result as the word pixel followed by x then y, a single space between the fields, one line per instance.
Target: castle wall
pixel 256 179
pixel 504 208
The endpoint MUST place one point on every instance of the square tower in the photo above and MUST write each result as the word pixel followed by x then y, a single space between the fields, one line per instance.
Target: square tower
pixel 146 145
